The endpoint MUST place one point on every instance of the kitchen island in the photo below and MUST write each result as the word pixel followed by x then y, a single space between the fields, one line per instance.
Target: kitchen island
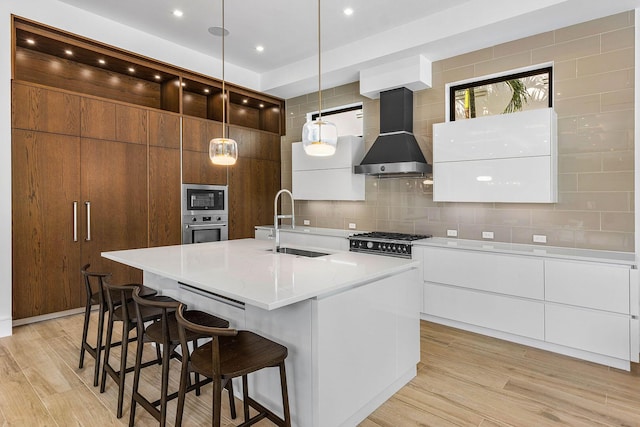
pixel 349 320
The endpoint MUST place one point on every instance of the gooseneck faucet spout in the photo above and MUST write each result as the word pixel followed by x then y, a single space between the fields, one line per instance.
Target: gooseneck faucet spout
pixel 276 217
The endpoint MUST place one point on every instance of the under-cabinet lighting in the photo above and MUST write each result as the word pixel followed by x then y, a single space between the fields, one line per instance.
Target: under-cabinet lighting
pixel 177 13
pixel 101 61
pixel 132 70
pixel 244 101
pixel 157 76
pixel 31 41
pixel 206 90
pixel 261 105
pixel 184 84
pixel 68 52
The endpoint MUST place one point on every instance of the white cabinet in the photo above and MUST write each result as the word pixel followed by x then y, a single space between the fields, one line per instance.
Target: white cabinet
pixel 584 308
pixel 328 178
pixel 512 275
pixel 502 313
pixel 501 158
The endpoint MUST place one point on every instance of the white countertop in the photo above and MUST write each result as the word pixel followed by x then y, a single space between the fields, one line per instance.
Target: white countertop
pixel 624 258
pixel 246 270
pixel 333 232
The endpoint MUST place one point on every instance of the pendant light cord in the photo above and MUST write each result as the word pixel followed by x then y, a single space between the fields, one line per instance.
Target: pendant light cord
pixel 224 97
pixel 319 69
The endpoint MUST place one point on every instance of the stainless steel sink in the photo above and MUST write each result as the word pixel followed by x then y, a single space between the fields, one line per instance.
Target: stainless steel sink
pixel 301 252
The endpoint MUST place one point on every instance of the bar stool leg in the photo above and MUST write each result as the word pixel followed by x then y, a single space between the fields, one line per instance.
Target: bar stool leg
pixel 123 365
pixel 184 373
pixel 232 402
pixel 245 397
pixel 107 353
pixel 85 330
pixel 164 388
pixel 285 396
pixel 136 380
pixel 217 402
pixel 99 347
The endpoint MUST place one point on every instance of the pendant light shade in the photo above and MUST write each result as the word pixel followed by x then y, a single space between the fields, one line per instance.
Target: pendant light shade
pixel 319 137
pixel 223 151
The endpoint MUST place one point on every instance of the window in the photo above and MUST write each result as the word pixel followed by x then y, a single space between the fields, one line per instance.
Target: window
pixel 347 118
pixel 521 91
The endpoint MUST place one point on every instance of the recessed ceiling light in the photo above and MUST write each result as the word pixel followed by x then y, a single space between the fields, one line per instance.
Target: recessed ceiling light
pixel 348 11
pixel 31 41
pixel 177 13
pixel 102 61
pixel 68 51
pixel 132 70
pixel 260 48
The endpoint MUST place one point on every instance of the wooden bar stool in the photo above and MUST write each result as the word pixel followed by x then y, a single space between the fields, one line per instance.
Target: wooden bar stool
pixel 94 289
pixel 164 332
pixel 125 313
pixel 230 354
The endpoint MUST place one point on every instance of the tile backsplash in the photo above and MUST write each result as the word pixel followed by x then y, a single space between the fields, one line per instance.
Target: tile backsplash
pixel 594 98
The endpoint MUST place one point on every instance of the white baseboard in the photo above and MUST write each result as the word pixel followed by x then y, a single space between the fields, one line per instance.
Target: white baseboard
pixel 5 327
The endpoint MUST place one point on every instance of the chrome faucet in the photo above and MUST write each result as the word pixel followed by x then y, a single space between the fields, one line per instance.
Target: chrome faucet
pixel 276 217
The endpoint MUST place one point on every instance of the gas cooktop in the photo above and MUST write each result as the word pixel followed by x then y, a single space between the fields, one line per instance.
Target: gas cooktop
pixel 383 243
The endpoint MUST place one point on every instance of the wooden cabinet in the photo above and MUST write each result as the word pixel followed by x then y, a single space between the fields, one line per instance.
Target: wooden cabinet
pixel 164 179
pixel 46 258
pixel 196 165
pixel 120 177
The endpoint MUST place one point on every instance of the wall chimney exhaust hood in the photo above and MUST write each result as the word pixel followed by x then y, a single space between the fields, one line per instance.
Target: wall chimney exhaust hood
pixel 395 152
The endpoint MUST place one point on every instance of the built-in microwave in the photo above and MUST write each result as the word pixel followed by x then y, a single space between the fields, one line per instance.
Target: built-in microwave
pixel 205 213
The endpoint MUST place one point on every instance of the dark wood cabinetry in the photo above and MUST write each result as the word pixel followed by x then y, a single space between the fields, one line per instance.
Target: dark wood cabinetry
pixel 122 132
pixel 117 167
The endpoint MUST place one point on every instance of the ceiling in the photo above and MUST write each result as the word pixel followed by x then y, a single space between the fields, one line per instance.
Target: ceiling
pixel 379 31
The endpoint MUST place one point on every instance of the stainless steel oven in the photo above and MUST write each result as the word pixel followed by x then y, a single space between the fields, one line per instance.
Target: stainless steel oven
pixel 205 213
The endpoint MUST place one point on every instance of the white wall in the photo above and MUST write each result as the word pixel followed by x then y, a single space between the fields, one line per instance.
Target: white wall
pixel 74 20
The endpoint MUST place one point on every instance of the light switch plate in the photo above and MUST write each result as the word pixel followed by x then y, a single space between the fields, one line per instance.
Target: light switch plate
pixel 452 233
pixel 487 234
pixel 539 238
pixel 306 222
pixel 352 226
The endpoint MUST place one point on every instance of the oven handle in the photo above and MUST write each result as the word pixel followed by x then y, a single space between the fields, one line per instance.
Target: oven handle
pixel 205 225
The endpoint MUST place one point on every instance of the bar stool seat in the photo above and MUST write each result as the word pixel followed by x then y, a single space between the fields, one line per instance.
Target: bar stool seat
pixel 164 332
pixel 95 295
pixel 230 354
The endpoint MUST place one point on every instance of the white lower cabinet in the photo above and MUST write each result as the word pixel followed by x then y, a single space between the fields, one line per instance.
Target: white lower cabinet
pixel 499 312
pixel 584 308
pixel 590 330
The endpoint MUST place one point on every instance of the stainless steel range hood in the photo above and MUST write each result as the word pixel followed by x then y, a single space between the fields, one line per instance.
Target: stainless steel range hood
pixel 395 151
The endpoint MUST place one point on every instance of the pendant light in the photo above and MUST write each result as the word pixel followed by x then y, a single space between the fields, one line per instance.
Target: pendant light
pixel 223 151
pixel 319 137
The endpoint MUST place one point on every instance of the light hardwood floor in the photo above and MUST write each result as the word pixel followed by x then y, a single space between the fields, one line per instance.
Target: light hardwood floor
pixel 463 379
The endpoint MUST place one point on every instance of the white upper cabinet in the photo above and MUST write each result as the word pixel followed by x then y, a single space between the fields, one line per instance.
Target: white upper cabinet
pixel 328 178
pixel 501 158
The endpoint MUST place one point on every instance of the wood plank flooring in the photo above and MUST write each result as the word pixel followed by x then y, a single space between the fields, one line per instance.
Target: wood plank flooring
pixel 463 379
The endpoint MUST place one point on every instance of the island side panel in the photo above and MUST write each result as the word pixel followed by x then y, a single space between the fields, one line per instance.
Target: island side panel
pixel 367 346
pixel 290 326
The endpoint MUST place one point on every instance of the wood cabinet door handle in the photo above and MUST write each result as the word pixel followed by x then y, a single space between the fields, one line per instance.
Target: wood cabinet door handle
pixel 75 220
pixel 88 205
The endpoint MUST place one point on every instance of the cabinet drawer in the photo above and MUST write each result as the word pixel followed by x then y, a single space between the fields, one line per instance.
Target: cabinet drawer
pixel 502 313
pixel 510 275
pixel 603 287
pixel 590 330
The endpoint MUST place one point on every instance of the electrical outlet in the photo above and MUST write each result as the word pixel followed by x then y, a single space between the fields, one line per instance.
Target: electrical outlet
pixel 352 226
pixel 306 222
pixel 539 238
pixel 487 234
pixel 452 233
